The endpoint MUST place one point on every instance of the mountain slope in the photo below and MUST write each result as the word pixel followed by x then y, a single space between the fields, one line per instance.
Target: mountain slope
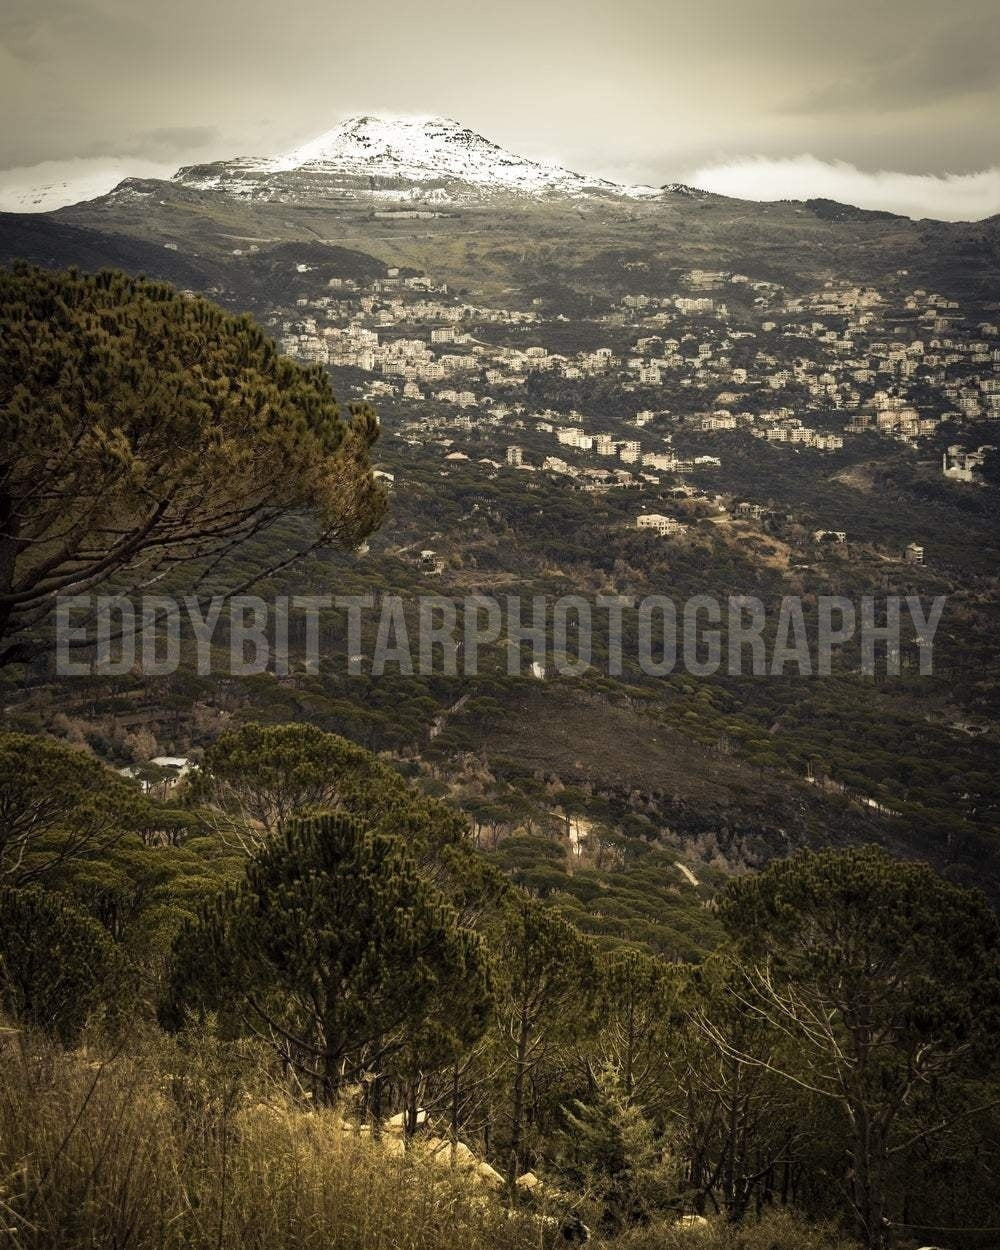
pixel 426 149
pixel 42 239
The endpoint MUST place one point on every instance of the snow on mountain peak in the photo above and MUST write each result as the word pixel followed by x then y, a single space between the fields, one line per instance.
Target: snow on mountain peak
pixel 389 151
pixel 421 149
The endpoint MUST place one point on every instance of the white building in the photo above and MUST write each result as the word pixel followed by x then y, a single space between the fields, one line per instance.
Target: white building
pixel 960 465
pixel 573 436
pixel 659 523
pixel 914 553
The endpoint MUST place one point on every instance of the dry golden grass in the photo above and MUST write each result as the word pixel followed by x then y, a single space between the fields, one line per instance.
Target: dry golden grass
pixel 779 1229
pixel 115 1153
pixel 191 1146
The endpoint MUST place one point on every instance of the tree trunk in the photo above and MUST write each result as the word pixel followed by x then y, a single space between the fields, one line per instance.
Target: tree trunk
pixel 517 1108
pixel 375 1105
pixel 869 1180
pixel 453 1126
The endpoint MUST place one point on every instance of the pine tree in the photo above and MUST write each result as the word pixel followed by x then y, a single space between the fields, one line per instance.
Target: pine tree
pixel 334 949
pixel 610 1148
pixel 256 778
pixel 548 988
pixel 642 996
pixel 56 804
pixel 259 776
pixel 140 428
pixel 885 979
pixel 56 963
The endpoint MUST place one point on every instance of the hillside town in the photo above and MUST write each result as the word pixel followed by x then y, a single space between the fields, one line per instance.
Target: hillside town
pixel 849 355
pixel 723 353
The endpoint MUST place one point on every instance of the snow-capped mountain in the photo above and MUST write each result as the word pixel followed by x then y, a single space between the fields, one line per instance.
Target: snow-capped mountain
pixel 432 156
pixel 422 149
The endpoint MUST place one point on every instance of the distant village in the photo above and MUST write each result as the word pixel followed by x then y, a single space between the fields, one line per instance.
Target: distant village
pixel 804 372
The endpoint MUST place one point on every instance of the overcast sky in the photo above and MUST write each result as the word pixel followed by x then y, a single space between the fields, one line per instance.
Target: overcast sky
pixel 890 103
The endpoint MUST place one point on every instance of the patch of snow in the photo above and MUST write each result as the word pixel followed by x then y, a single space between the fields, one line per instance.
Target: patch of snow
pixel 57 184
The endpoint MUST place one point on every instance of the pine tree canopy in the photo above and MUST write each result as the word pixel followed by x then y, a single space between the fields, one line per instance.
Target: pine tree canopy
pixel 140 428
pixel 56 804
pixel 56 962
pixel 334 948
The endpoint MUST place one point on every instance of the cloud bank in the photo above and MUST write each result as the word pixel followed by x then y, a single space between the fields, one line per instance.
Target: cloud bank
pixel 54 184
pixel 947 197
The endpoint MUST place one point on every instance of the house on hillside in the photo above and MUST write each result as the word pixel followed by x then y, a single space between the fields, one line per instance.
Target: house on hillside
pixel 914 553
pixel 659 523
pixel 963 466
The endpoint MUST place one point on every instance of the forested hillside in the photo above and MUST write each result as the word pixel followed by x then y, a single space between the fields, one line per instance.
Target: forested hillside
pixel 229 971
pixel 354 954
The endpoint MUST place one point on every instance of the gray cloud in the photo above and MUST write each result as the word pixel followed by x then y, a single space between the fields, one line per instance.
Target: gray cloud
pixel 158 144
pixel 39 31
pixel 952 61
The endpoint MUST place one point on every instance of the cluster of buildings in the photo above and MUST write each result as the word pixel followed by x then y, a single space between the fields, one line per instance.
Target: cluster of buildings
pixel 657 523
pixel 645 463
pixel 792 430
pixel 897 369
pixel 730 353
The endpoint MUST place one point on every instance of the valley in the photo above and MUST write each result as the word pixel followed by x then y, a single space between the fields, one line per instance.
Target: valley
pixel 802 398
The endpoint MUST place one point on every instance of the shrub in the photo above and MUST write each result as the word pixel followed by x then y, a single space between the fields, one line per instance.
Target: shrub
pixel 56 963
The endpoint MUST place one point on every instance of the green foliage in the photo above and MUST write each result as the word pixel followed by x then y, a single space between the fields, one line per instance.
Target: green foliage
pixel 256 778
pixel 547 993
pixel 892 948
pixel 841 1044
pixel 611 1149
pixel 153 424
pixel 56 804
pixel 143 894
pixel 264 774
pixel 57 965
pixel 546 969
pixel 334 947
pixel 885 980
pixel 642 1004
